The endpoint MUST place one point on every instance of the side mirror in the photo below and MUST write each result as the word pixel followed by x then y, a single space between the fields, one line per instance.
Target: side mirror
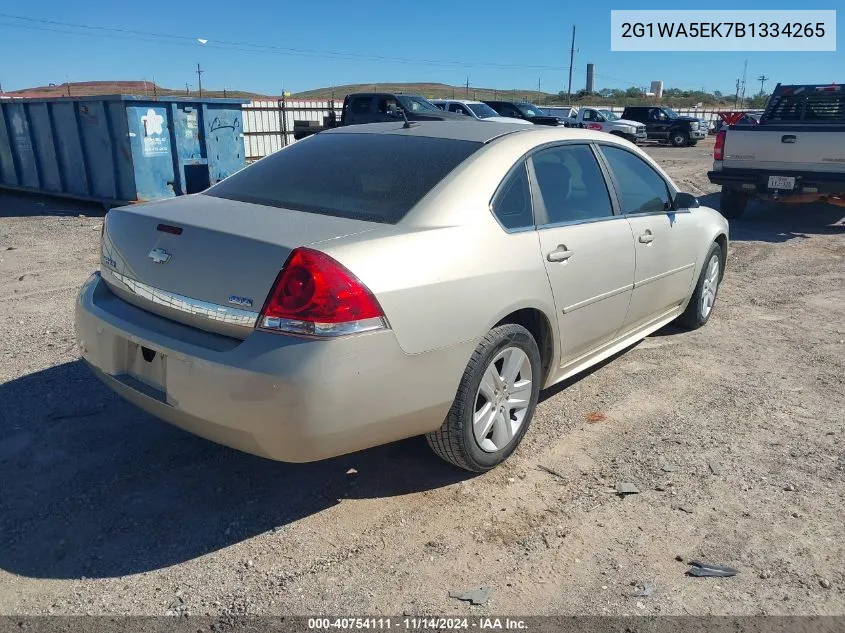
pixel 685 201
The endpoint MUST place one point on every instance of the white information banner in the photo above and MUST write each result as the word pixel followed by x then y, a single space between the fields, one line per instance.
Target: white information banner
pixel 723 30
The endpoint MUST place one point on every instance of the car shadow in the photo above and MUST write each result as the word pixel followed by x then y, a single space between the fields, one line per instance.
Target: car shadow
pixel 765 221
pixel 94 487
pixel 20 204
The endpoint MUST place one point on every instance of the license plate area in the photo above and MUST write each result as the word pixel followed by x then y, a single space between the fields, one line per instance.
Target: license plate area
pixel 147 366
pixel 783 183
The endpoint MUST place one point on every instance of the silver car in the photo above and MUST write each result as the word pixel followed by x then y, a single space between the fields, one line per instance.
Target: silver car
pixel 376 282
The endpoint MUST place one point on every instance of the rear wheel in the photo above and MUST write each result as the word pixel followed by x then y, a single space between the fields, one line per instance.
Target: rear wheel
pixel 732 203
pixel 704 296
pixel 692 143
pixel 495 401
pixel 679 138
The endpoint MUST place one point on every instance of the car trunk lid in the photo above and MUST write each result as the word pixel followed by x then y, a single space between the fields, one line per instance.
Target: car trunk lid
pixel 205 261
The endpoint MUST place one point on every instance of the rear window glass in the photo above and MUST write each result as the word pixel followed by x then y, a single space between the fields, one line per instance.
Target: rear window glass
pixel 371 177
pixel 821 107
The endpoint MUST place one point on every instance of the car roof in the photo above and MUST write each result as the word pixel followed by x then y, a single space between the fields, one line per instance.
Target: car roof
pixel 469 130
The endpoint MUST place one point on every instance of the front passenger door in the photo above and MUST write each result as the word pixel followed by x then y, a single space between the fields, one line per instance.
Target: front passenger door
pixel 588 251
pixel 664 239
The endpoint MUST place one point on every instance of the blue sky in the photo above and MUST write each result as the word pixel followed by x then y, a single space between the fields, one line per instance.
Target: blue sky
pixel 494 43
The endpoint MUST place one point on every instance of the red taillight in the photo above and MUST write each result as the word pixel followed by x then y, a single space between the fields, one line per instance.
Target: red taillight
pixel 313 294
pixel 719 147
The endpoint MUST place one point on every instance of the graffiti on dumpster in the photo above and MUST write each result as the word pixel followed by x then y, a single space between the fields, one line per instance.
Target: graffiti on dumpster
pixel 155 141
pixel 217 124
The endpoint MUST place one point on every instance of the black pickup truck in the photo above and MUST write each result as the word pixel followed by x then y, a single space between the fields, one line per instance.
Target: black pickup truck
pixel 664 124
pixel 381 107
pixel 525 111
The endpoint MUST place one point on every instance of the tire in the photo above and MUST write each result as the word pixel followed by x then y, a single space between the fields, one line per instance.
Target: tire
pixel 732 203
pixel 679 138
pixel 455 441
pixel 698 310
pixel 692 143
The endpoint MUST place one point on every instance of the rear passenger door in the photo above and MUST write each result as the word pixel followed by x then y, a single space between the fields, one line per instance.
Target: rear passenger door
pixel 587 247
pixel 664 239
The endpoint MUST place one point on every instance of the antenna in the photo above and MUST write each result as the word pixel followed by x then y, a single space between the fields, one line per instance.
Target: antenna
pixel 407 125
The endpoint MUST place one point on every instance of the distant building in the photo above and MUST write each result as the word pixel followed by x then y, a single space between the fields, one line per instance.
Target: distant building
pixel 657 89
pixel 591 84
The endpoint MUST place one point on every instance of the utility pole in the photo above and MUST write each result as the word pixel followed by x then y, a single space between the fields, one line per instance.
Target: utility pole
pixel 762 79
pixel 200 71
pixel 736 97
pixel 187 89
pixel 538 91
pixel 744 76
pixel 467 87
pixel 571 62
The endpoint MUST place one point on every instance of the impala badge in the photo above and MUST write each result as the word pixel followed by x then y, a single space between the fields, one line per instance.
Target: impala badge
pixel 240 301
pixel 159 256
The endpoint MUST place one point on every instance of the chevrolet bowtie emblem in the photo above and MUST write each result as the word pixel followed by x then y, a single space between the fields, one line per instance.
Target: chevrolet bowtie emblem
pixel 159 256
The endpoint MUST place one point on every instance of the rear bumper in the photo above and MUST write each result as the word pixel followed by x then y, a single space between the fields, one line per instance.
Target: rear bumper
pixel 276 396
pixel 756 182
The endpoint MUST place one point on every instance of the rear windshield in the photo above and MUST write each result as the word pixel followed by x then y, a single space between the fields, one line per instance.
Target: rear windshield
pixel 371 177
pixel 821 107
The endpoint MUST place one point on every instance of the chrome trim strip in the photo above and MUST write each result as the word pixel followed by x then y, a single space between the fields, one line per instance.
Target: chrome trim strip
pixel 601 297
pixel 210 311
pixel 643 282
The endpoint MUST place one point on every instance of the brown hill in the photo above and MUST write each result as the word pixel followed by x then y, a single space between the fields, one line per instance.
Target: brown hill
pixel 428 90
pixel 99 88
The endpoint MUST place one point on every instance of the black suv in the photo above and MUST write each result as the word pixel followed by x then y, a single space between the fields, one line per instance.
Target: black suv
pixel 381 107
pixel 524 110
pixel 664 124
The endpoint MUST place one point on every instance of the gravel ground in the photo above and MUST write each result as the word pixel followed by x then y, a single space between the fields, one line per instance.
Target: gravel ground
pixel 734 435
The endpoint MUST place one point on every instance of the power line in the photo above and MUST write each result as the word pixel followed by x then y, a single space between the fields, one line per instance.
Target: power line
pixel 41 24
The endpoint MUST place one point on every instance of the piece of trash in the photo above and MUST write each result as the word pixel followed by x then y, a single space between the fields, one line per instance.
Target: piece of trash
pixel 683 508
pixel 644 590
pixel 474 596
pixel 595 416
pixel 789 488
pixel 715 467
pixel 626 488
pixel 825 583
pixel 701 570
pixel 10 248
pixel 352 471
pixel 669 468
pixel 551 471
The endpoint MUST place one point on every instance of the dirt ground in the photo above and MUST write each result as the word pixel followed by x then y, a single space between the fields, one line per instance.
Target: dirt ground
pixel 734 435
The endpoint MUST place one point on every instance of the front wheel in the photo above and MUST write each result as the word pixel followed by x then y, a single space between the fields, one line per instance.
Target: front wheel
pixel 704 296
pixel 679 138
pixel 495 401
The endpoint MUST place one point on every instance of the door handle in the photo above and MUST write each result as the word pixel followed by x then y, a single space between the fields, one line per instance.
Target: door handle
pixel 647 237
pixel 560 254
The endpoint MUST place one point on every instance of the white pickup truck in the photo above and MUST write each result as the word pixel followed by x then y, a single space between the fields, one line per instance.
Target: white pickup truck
pixel 796 154
pixel 605 121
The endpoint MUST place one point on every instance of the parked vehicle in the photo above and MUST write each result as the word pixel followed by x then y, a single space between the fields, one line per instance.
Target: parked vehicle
pixel 381 107
pixel 475 109
pixel 664 124
pixel 340 293
pixel 524 111
pixel 744 118
pixel 795 154
pixel 606 121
